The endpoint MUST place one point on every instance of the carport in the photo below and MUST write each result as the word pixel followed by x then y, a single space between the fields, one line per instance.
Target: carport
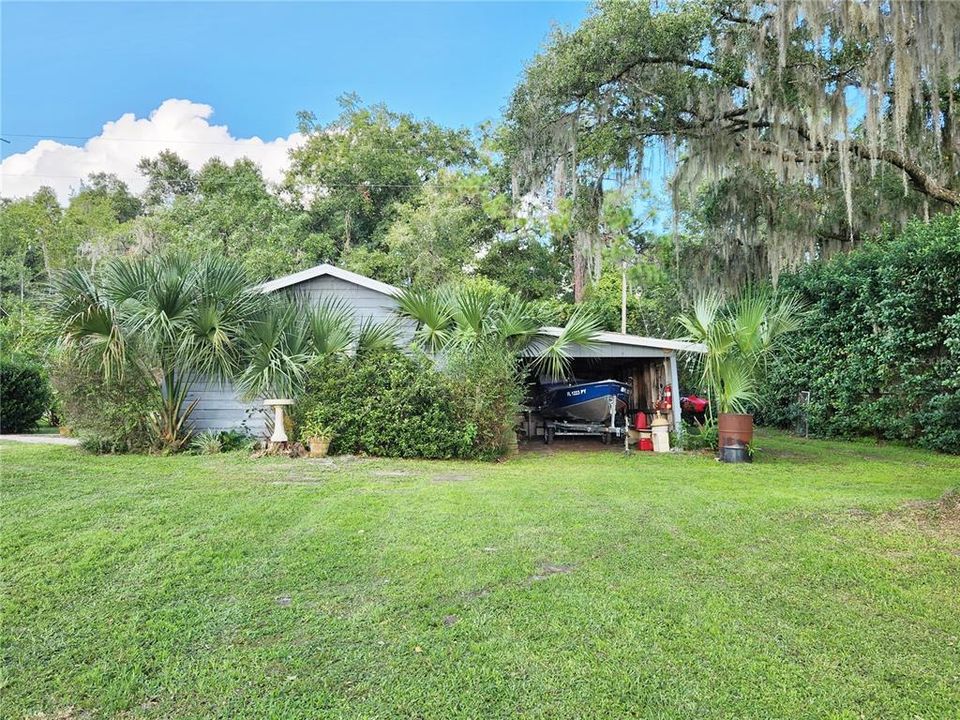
pixel 646 364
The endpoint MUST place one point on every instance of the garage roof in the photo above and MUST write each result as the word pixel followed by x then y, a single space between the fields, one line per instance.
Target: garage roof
pixel 628 341
pixel 333 271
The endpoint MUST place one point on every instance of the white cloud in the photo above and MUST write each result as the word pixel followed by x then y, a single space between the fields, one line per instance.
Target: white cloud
pixel 179 125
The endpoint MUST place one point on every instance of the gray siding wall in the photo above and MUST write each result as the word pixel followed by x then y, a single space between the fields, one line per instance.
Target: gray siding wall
pixel 365 303
pixel 219 407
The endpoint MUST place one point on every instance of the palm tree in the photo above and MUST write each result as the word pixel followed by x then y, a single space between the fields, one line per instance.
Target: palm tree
pixel 288 336
pixel 170 318
pixel 176 319
pixel 476 333
pixel 740 338
pixel 468 319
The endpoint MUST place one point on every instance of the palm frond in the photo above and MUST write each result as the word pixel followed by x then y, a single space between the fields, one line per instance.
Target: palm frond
pixel 515 323
pixel 375 336
pixel 737 389
pixel 582 329
pixel 207 345
pixel 698 323
pixel 278 352
pixel 786 315
pixel 433 313
pixel 748 318
pixel 87 321
pixel 472 310
pixel 329 325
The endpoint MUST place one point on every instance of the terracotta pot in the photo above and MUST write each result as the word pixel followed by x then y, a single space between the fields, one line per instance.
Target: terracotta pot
pixel 734 430
pixel 319 446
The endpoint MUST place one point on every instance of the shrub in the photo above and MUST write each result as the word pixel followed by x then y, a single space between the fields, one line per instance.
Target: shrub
pixel 24 395
pixel 207 442
pixel 880 350
pixel 700 437
pixel 385 404
pixel 487 394
pixel 231 440
pixel 108 416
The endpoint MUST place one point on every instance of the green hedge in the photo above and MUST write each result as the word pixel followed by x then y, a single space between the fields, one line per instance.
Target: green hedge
pixel 387 404
pixel 24 395
pixel 880 351
pixel 108 416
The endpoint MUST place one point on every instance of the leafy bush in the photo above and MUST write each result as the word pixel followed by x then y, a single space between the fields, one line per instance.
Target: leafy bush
pixel 314 425
pixel 700 437
pixel 111 416
pixel 385 404
pixel 487 394
pixel 24 395
pixel 880 350
pixel 231 440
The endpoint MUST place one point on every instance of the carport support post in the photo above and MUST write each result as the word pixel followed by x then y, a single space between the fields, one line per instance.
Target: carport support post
pixel 675 382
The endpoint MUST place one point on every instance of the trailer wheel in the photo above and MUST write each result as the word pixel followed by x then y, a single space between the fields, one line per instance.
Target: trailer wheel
pixel 606 438
pixel 548 435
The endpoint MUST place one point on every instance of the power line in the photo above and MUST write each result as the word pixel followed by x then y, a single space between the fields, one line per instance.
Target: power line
pixel 319 183
pixel 32 136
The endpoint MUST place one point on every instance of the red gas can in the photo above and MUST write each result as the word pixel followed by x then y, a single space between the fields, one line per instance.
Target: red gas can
pixel 641 422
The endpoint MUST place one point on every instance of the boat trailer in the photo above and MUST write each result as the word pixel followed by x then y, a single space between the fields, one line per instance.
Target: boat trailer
pixel 554 428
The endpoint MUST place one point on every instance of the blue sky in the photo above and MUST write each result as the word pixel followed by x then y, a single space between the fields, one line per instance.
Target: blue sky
pixel 69 67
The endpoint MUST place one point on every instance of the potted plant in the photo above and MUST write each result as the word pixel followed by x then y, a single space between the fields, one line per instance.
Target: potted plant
pixel 740 337
pixel 317 434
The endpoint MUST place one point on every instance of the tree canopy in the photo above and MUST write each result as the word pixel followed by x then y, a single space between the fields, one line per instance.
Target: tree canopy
pixel 351 172
pixel 843 111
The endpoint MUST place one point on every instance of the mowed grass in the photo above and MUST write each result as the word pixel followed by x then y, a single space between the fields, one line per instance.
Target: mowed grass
pixel 823 581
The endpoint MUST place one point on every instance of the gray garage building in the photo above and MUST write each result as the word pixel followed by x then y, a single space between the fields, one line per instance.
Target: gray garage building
pixel 646 364
pixel 220 408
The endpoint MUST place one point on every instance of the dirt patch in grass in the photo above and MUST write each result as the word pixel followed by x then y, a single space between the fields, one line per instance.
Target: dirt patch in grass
pixel 941 516
pixel 304 471
pixel 476 594
pixel 67 713
pixel 445 477
pixel 549 569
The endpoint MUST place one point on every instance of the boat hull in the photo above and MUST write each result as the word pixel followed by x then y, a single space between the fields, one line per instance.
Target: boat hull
pixel 584 402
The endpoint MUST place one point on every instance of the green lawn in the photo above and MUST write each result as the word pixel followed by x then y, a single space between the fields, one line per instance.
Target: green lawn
pixel 823 581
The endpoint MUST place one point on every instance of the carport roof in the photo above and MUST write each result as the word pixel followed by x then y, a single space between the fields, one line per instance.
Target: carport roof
pixel 612 338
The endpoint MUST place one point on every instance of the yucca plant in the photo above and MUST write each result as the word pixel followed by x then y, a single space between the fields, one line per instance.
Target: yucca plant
pixel 740 337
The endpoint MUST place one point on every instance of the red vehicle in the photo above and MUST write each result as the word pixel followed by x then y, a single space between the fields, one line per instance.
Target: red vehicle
pixel 693 407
